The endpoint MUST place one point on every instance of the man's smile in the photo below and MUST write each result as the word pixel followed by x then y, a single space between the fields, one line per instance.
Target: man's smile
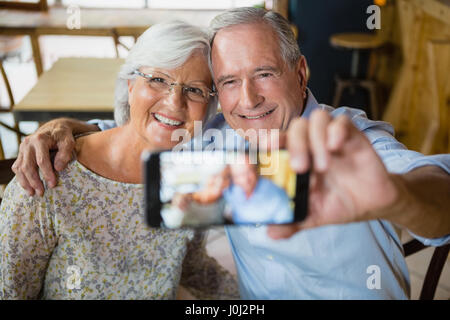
pixel 255 117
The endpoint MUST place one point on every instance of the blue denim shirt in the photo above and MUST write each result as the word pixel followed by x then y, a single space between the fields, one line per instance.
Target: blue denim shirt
pixel 335 261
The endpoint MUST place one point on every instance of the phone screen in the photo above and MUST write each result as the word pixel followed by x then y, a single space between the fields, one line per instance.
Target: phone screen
pixel 205 188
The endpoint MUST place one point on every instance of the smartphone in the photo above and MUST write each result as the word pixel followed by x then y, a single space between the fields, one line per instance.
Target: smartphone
pixel 199 189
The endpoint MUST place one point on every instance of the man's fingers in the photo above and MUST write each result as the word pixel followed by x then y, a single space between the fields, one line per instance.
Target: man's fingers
pixel 64 154
pixel 44 163
pixel 24 183
pixel 298 146
pixel 338 132
pixel 319 122
pixel 31 173
pixel 29 169
pixel 16 165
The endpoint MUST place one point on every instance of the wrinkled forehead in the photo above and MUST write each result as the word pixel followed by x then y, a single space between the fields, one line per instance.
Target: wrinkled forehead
pixel 246 41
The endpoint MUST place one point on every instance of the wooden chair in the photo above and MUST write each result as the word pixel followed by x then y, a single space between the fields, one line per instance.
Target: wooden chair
pixel 434 268
pixel 9 109
pixel 6 173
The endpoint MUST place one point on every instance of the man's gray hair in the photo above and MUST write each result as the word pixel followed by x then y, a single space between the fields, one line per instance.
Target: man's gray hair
pixel 289 48
pixel 167 46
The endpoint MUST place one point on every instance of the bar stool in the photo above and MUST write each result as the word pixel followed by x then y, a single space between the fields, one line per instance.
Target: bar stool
pixel 358 42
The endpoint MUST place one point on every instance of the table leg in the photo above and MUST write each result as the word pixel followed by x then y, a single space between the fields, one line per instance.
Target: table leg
pixel 115 37
pixel 36 53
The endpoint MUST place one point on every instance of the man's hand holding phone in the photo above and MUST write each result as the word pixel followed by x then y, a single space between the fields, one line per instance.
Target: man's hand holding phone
pixel 349 182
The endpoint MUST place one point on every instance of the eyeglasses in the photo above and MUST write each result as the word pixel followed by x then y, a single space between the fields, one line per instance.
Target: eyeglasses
pixel 161 83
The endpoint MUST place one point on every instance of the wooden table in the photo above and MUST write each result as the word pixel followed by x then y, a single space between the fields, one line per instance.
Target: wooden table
pixel 93 22
pixel 81 88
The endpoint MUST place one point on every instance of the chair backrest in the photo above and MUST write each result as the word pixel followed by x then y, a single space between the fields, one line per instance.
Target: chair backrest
pixel 15 127
pixel 434 268
pixel 8 88
pixel 6 173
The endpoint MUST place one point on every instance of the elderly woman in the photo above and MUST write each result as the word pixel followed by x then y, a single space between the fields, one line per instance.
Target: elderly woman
pixel 86 238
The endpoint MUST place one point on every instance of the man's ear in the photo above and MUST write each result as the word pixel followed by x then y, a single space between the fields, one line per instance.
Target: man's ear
pixel 302 72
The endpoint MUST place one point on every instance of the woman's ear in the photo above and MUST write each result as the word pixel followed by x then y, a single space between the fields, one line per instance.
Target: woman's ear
pixel 131 83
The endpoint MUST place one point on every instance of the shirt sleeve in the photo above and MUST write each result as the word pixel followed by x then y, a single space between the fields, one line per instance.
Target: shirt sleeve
pixel 203 276
pixel 103 124
pixel 27 239
pixel 399 160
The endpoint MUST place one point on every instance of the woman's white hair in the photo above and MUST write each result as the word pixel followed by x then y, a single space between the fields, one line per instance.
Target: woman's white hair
pixel 167 46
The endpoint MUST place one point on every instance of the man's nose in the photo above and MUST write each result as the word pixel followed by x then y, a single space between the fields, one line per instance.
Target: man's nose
pixel 250 98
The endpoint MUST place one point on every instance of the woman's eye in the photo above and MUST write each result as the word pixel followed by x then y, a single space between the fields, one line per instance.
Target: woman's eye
pixel 157 80
pixel 194 90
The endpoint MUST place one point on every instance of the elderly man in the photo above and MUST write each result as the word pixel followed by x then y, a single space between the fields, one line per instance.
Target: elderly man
pixel 248 193
pixel 363 182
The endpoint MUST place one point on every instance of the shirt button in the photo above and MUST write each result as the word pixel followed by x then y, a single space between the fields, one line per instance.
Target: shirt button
pixel 270 257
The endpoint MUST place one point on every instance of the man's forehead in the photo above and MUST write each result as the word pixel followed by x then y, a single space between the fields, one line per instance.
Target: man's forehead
pixel 241 34
pixel 255 45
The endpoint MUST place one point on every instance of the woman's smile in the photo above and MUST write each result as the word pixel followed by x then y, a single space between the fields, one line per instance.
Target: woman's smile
pixel 166 121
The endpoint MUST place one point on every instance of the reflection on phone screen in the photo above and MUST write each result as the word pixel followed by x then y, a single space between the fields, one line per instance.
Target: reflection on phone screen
pixel 214 188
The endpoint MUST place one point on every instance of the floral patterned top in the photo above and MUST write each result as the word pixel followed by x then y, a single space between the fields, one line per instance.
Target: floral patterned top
pixel 87 239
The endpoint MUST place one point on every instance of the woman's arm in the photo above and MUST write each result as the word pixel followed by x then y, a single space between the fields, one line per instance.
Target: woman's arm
pixel 203 276
pixel 27 239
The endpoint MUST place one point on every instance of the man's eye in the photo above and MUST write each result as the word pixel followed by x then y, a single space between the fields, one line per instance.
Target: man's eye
pixel 265 75
pixel 229 82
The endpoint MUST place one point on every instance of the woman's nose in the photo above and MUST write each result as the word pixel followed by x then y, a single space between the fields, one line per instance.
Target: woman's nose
pixel 175 96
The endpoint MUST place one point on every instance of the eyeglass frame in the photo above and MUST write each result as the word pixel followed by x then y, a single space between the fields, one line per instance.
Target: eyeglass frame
pixel 210 93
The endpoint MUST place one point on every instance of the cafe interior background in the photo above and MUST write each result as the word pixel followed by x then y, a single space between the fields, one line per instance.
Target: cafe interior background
pixel 397 71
